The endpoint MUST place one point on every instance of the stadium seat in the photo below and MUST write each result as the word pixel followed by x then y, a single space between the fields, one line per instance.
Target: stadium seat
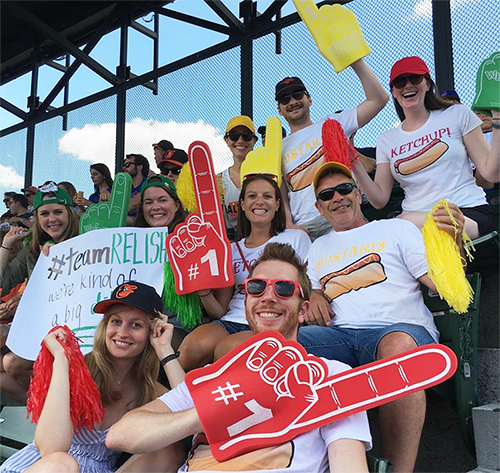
pixel 460 333
pixel 378 465
pixel 16 430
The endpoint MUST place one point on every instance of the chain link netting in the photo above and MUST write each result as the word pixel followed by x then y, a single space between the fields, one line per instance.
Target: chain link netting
pixel 196 102
pixel 193 103
pixel 90 138
pixel 389 29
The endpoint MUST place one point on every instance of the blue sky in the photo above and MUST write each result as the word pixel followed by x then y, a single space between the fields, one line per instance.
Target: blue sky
pixel 196 102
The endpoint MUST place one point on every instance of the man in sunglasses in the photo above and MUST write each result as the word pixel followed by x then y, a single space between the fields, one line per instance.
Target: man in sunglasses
pixel 30 193
pixel 302 149
pixel 240 139
pixel 137 166
pixel 6 200
pixel 278 290
pixel 171 163
pixel 367 303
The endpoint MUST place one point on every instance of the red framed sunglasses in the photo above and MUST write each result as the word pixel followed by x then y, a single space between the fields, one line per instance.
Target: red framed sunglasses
pixel 283 288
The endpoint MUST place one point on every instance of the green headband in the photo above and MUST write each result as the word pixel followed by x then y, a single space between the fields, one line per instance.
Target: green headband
pixel 60 196
pixel 159 181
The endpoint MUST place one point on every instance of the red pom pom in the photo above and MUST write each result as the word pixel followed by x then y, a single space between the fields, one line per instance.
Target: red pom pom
pixel 336 146
pixel 86 408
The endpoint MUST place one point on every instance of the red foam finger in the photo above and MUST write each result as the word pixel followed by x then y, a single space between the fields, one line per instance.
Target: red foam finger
pixel 262 353
pixel 185 239
pixel 176 246
pixel 278 365
pixel 205 185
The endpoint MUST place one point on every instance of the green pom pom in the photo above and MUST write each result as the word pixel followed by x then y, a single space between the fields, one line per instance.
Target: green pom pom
pixel 187 308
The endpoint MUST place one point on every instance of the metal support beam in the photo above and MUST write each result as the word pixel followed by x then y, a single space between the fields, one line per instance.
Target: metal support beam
pixel 272 10
pixel 77 62
pixel 156 52
pixel 247 77
pixel 167 69
pixel 123 74
pixel 32 105
pixel 66 98
pixel 192 20
pixel 10 107
pixel 143 29
pixel 225 14
pixel 443 49
pixel 54 65
pixel 26 16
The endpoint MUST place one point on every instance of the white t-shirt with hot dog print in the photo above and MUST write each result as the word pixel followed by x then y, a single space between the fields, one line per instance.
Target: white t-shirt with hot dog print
pixel 370 273
pixel 300 147
pixel 431 163
pixel 297 239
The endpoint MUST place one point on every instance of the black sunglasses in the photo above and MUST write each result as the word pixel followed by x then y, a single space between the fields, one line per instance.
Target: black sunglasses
pixel 297 95
pixel 400 81
pixel 282 287
pixel 127 165
pixel 343 189
pixel 235 135
pixel 174 171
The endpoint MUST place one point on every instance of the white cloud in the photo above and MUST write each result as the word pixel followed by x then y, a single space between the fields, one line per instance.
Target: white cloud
pixel 423 9
pixel 96 143
pixel 10 179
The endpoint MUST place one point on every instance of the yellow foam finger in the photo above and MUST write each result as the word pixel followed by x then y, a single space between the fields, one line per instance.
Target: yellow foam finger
pixel 266 159
pixel 336 32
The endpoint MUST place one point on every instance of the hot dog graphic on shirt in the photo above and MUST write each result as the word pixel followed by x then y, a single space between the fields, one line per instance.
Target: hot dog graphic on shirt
pixel 364 272
pixel 423 158
pixel 302 176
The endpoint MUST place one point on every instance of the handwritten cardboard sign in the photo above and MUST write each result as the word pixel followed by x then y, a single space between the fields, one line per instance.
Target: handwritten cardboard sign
pixel 78 273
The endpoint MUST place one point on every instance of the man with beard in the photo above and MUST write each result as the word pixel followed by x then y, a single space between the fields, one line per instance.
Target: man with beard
pixel 173 416
pixel 137 166
pixel 302 149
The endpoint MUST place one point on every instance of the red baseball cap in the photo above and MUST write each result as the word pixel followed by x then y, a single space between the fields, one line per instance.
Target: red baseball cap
pixel 409 65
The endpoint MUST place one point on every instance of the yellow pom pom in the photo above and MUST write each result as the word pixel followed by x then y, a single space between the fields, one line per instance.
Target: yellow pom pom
pixel 185 189
pixel 445 264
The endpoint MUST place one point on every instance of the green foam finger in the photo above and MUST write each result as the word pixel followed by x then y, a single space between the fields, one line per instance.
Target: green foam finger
pixel 488 85
pixel 110 214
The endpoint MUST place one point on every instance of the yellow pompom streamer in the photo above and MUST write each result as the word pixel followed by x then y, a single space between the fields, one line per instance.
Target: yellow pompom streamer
pixel 445 264
pixel 185 189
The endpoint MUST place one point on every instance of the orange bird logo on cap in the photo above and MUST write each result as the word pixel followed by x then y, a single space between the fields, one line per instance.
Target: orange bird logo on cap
pixel 287 80
pixel 125 291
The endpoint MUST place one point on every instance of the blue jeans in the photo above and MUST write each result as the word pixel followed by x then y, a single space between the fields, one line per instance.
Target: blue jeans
pixel 354 346
pixel 232 327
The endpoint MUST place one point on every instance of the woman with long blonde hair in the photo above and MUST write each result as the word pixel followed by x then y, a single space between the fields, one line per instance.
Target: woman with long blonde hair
pixel 129 342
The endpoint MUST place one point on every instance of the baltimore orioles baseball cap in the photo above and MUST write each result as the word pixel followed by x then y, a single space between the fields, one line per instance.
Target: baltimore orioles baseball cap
pixel 134 294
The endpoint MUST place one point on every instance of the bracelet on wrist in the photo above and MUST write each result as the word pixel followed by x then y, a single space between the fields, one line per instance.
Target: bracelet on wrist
pixel 207 294
pixel 6 248
pixel 168 358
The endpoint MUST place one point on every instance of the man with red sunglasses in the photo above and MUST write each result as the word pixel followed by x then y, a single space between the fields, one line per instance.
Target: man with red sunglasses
pixel 278 290
pixel 367 304
pixel 302 149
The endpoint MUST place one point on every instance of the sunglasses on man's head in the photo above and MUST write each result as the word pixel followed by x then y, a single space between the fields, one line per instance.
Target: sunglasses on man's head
pixel 400 81
pixel 127 165
pixel 235 135
pixel 282 287
pixel 342 189
pixel 297 95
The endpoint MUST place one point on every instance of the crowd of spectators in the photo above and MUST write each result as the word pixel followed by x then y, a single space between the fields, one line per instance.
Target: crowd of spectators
pixel 317 212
